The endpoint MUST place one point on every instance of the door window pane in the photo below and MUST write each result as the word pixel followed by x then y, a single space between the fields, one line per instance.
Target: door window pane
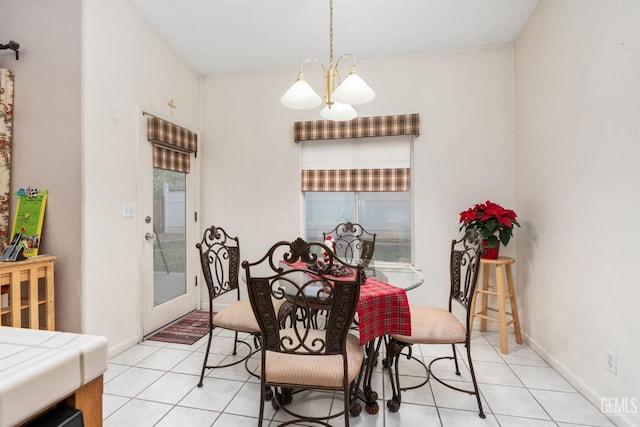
pixel 169 227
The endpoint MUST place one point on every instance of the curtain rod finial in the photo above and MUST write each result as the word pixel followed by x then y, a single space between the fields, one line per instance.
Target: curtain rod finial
pixel 14 46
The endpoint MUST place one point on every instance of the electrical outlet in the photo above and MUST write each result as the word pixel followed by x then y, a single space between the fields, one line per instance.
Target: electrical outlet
pixel 612 362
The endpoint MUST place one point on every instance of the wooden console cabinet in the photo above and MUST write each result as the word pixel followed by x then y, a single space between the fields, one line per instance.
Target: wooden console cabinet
pixel 26 291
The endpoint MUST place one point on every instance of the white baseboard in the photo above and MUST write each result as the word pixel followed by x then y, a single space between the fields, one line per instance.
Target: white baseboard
pixel 126 345
pixel 216 307
pixel 590 394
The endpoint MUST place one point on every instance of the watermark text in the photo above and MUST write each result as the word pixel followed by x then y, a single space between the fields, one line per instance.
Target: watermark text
pixel 619 405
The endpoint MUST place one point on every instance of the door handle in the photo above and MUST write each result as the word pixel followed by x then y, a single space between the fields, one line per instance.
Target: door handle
pixel 150 236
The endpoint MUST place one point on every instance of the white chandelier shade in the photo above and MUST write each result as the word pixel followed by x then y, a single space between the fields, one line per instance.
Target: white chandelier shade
pixel 353 90
pixel 338 112
pixel 301 96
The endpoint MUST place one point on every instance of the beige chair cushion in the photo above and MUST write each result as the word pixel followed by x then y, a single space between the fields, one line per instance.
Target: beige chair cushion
pixel 239 317
pixel 313 370
pixel 432 325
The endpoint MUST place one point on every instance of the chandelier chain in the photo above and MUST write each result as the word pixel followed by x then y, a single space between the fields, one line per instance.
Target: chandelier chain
pixel 330 33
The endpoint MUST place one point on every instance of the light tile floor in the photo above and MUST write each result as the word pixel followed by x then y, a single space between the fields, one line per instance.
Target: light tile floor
pixel 155 384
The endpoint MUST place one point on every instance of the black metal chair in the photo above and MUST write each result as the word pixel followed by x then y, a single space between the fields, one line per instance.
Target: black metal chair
pixel 351 241
pixel 298 356
pixel 220 260
pixel 433 325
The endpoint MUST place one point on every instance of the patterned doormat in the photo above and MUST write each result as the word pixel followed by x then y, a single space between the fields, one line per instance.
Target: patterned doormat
pixel 186 330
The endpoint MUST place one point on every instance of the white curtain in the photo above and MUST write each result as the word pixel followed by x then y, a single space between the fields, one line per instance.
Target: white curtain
pixel 357 153
pixel 376 164
pixel 6 124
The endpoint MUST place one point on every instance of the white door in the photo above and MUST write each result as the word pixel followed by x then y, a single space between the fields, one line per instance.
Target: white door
pixel 168 243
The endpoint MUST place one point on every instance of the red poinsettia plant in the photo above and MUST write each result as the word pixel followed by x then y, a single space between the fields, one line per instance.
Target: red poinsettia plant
pixel 494 222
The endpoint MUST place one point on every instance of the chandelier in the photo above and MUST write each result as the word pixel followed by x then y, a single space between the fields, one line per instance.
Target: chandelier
pixel 352 91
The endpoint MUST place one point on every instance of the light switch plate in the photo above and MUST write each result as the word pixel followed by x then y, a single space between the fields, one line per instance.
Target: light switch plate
pixel 128 210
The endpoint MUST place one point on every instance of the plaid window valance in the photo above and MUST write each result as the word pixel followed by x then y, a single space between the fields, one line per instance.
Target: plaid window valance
pixel 356 179
pixel 362 127
pixel 172 144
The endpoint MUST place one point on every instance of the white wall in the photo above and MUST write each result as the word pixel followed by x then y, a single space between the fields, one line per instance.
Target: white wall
pixel 464 155
pixel 47 132
pixel 128 67
pixel 578 172
pixel 85 69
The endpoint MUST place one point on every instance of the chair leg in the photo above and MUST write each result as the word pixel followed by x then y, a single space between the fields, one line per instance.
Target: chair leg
pixel 282 396
pixel 235 344
pixel 263 397
pixel 347 404
pixel 206 356
pixel 455 359
pixel 285 312
pixel 268 393
pixel 475 390
pixel 475 383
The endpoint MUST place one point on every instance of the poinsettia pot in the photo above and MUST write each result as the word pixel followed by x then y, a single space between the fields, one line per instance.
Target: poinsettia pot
pixel 490 252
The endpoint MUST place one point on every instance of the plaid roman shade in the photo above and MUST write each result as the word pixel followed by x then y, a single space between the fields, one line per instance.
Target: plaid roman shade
pixel 362 127
pixel 356 179
pixel 372 168
pixel 172 144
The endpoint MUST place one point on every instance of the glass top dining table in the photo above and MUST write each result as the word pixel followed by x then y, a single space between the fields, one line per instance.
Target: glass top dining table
pixel 383 309
pixel 403 276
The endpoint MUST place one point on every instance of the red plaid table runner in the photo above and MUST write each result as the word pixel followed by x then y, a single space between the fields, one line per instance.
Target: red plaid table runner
pixel 382 309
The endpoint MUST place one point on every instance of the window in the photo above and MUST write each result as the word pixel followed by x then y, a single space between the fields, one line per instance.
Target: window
pixel 388 214
pixel 360 171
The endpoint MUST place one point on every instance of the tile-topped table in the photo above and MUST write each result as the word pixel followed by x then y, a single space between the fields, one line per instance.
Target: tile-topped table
pixel 39 369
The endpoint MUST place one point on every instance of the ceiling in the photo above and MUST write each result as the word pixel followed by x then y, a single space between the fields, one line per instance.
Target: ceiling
pixel 238 36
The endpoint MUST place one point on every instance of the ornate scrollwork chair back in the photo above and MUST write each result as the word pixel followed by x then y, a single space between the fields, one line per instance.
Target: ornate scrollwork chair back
pixel 464 267
pixel 433 325
pixel 220 260
pixel 299 356
pixel 351 241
